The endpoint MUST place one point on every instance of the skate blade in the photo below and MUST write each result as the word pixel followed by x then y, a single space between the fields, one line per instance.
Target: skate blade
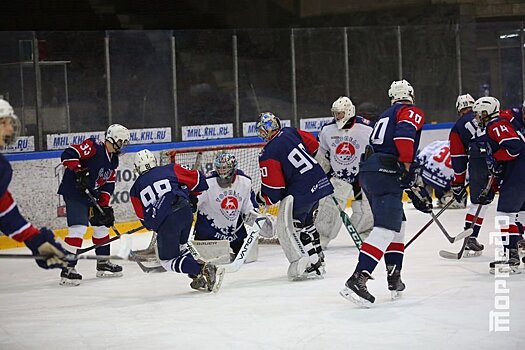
pixel 394 294
pixel 107 274
pixel 69 283
pixel 219 276
pixel 505 270
pixel 348 294
pixel 472 253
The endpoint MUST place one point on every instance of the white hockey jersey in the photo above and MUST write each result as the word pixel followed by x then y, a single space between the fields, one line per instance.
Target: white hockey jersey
pixel 436 162
pixel 344 147
pixel 219 209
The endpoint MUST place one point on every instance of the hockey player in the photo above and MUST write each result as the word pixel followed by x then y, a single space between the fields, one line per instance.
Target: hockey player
pixel 227 205
pixel 160 198
pixel 341 144
pixel 384 173
pixel 437 172
pixel 12 223
pixel 90 168
pixel 290 174
pixel 467 151
pixel 505 160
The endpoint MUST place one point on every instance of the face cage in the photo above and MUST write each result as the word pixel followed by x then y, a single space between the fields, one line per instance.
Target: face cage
pixel 15 122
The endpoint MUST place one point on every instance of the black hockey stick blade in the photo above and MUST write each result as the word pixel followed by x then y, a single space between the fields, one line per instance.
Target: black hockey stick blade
pixel 456 256
pixel 118 236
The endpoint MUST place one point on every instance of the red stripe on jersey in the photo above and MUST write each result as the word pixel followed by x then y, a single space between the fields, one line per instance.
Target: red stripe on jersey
pixel 395 247
pixel 6 203
pixel 112 177
pixel 372 251
pixel 73 164
pixel 272 173
pixel 309 140
pixel 405 147
pixel 187 177
pixel 412 115
pixel 469 218
pixel 137 206
pixel 85 150
pixel 103 199
pixel 74 241
pixel 456 145
pixel 459 179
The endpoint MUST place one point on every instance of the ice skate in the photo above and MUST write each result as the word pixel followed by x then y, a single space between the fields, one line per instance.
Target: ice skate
pixel 508 266
pixel 213 276
pixel 355 289
pixel 70 277
pixel 395 284
pixel 473 248
pixel 106 268
pixel 198 283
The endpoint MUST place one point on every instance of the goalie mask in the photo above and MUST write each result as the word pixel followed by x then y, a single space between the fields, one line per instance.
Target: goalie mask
pixel 144 161
pixel 225 166
pixel 464 101
pixel 342 110
pixel 268 126
pixel 118 136
pixel 486 108
pixel 401 90
pixel 9 124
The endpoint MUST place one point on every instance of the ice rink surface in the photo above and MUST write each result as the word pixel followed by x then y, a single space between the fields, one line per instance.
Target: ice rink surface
pixel 446 304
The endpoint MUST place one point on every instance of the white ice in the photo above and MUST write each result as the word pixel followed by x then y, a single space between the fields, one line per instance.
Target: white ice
pixel 446 304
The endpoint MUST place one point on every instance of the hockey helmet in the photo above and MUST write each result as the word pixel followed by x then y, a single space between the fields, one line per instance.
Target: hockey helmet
pixel 464 101
pixel 342 110
pixel 268 126
pixel 144 161
pixel 401 90
pixel 118 135
pixel 225 165
pixel 9 124
pixel 485 109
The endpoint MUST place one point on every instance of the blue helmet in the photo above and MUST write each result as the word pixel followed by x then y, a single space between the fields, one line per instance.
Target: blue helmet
pixel 268 126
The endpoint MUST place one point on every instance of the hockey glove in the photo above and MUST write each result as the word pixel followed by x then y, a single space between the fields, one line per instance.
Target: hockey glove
pixel 459 191
pixel 82 179
pixel 194 201
pixel 106 218
pixel 44 244
pixel 420 199
pixel 409 178
pixel 495 167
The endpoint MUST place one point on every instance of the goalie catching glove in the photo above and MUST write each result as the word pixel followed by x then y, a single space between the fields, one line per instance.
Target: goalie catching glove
pixel 44 244
pixel 104 218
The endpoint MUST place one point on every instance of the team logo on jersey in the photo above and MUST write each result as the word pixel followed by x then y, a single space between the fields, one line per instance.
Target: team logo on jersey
pixel 229 207
pixel 344 152
pixel 103 177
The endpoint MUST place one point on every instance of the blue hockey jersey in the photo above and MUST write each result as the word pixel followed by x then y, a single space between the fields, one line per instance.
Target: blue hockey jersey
pixel 288 168
pixel 155 191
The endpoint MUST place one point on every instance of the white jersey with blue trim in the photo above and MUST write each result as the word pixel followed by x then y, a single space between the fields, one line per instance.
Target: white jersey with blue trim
pixel 344 147
pixel 436 161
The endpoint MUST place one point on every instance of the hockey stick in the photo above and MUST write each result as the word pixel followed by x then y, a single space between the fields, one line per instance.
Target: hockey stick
pixel 247 246
pixel 87 249
pixel 348 224
pixel 94 201
pixel 67 257
pixel 450 255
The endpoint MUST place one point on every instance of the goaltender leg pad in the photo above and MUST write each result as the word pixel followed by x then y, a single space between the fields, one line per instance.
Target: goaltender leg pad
pixel 289 239
pixel 328 221
pixel 362 216
pixel 217 251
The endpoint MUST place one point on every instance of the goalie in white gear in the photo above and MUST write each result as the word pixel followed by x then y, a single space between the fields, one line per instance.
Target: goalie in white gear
pixel 341 144
pixel 227 205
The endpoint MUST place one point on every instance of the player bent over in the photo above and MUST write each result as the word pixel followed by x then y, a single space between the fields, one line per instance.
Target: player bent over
pixel 506 161
pixel 467 151
pixel 290 174
pixel 384 173
pixel 227 205
pixel 90 168
pixel 12 223
pixel 341 144
pixel 160 198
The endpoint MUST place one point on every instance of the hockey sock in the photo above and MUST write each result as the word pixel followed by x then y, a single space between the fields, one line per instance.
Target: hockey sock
pixel 395 251
pixel 511 236
pixel 470 217
pixel 105 249
pixel 184 263
pixel 373 249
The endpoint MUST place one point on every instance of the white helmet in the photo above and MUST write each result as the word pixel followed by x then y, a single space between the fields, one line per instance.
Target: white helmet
pixel 401 90
pixel 144 161
pixel 485 109
pixel 6 111
pixel 268 126
pixel 464 101
pixel 118 135
pixel 345 105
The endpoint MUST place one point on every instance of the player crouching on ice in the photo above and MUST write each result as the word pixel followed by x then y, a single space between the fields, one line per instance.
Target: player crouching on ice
pixel 290 174
pixel 505 161
pixel 12 223
pixel 91 171
pixel 227 205
pixel 160 198
pixel 385 171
